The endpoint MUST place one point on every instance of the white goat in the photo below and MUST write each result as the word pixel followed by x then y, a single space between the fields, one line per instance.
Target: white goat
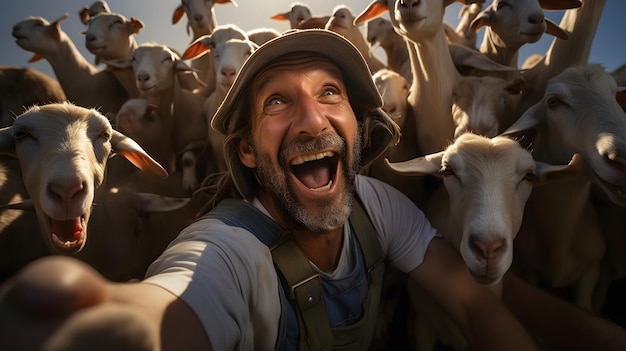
pixel 111 36
pixel 158 72
pixel 487 182
pixel 141 121
pixel 379 31
pixel 297 13
pixel 342 22
pixel 228 58
pixel 202 21
pixel 63 151
pixel 484 105
pixel 96 8
pixel 22 87
pixel 82 83
pixel 512 24
pixel 581 24
pixel 204 44
pixel 562 244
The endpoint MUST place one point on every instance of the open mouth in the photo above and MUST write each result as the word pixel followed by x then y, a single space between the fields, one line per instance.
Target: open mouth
pixel 316 171
pixel 68 236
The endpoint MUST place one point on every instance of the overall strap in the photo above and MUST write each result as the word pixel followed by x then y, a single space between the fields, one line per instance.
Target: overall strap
pixel 305 285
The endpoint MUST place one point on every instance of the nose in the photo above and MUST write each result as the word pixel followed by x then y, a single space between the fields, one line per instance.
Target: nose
pixel 310 117
pixel 90 37
pixel 142 77
pixel 67 188
pixel 536 18
pixel 487 249
pixel 409 3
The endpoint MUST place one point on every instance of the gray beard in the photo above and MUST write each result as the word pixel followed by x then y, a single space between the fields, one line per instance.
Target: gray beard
pixel 334 215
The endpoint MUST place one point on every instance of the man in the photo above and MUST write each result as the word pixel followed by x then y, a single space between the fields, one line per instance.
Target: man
pixel 300 120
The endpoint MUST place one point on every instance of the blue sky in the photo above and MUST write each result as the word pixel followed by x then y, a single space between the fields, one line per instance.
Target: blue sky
pixel 609 47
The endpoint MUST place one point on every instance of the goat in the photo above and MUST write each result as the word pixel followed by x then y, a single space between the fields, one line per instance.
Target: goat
pixel 487 182
pixel 82 83
pixel 578 114
pixel 63 150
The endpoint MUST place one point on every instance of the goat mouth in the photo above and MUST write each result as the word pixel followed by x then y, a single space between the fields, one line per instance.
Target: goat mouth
pixel 68 236
pixel 484 279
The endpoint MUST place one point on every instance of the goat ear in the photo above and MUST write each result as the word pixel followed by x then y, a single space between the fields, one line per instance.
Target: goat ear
pixel 26 205
pixel 525 128
pixel 133 152
pixel 154 203
pixel 225 2
pixel 554 29
pixel 419 166
pixel 546 172
pixel 560 4
pixel 7 142
pixel 195 50
pixel 373 10
pixel 179 12
pixel 55 27
pixel 481 20
pixel 135 25
pixel 84 15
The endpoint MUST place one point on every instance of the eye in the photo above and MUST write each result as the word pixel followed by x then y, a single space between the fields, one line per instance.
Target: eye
pixel 530 176
pixel 167 59
pixel 21 133
pixel 502 4
pixel 117 22
pixel 274 105
pixel 446 171
pixel 553 102
pixel 105 135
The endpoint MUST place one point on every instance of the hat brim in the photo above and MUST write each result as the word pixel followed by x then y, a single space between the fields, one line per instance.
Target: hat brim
pixel 317 41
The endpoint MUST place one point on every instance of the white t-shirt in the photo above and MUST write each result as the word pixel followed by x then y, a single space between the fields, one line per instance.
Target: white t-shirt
pixel 227 276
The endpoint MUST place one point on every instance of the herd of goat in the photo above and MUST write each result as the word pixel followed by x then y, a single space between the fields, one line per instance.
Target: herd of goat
pixel 521 166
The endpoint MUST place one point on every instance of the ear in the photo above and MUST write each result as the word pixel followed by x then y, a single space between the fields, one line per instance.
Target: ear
pixel 554 29
pixel 373 10
pixel 178 14
pixel 280 17
pixel 135 25
pixel 423 165
pixel 245 154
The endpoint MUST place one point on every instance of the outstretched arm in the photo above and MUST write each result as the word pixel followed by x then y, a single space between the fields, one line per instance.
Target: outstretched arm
pixel 559 322
pixel 58 302
pixel 484 320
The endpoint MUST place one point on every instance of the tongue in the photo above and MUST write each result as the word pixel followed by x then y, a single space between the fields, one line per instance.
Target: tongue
pixel 313 174
pixel 68 230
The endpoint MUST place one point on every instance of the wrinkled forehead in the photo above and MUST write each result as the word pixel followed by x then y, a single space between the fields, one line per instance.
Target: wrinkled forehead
pixel 295 62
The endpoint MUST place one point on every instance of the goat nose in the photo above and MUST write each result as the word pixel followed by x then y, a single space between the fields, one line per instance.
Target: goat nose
pixel 536 18
pixel 409 3
pixel 486 249
pixel 389 108
pixel 65 189
pixel 90 37
pixel 229 71
pixel 142 77
pixel 198 18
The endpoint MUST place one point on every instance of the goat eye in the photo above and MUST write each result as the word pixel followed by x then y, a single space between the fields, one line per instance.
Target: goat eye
pixel 502 4
pixel 105 135
pixel 20 134
pixel 553 102
pixel 446 171
pixel 530 176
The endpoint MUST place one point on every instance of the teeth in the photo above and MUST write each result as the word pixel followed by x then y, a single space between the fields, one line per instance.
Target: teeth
pixel 58 241
pixel 323 188
pixel 302 159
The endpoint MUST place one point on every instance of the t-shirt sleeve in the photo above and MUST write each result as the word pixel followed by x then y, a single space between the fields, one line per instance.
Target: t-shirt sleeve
pixel 227 277
pixel 404 231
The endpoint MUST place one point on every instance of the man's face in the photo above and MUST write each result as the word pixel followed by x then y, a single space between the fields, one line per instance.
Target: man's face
pixel 304 144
